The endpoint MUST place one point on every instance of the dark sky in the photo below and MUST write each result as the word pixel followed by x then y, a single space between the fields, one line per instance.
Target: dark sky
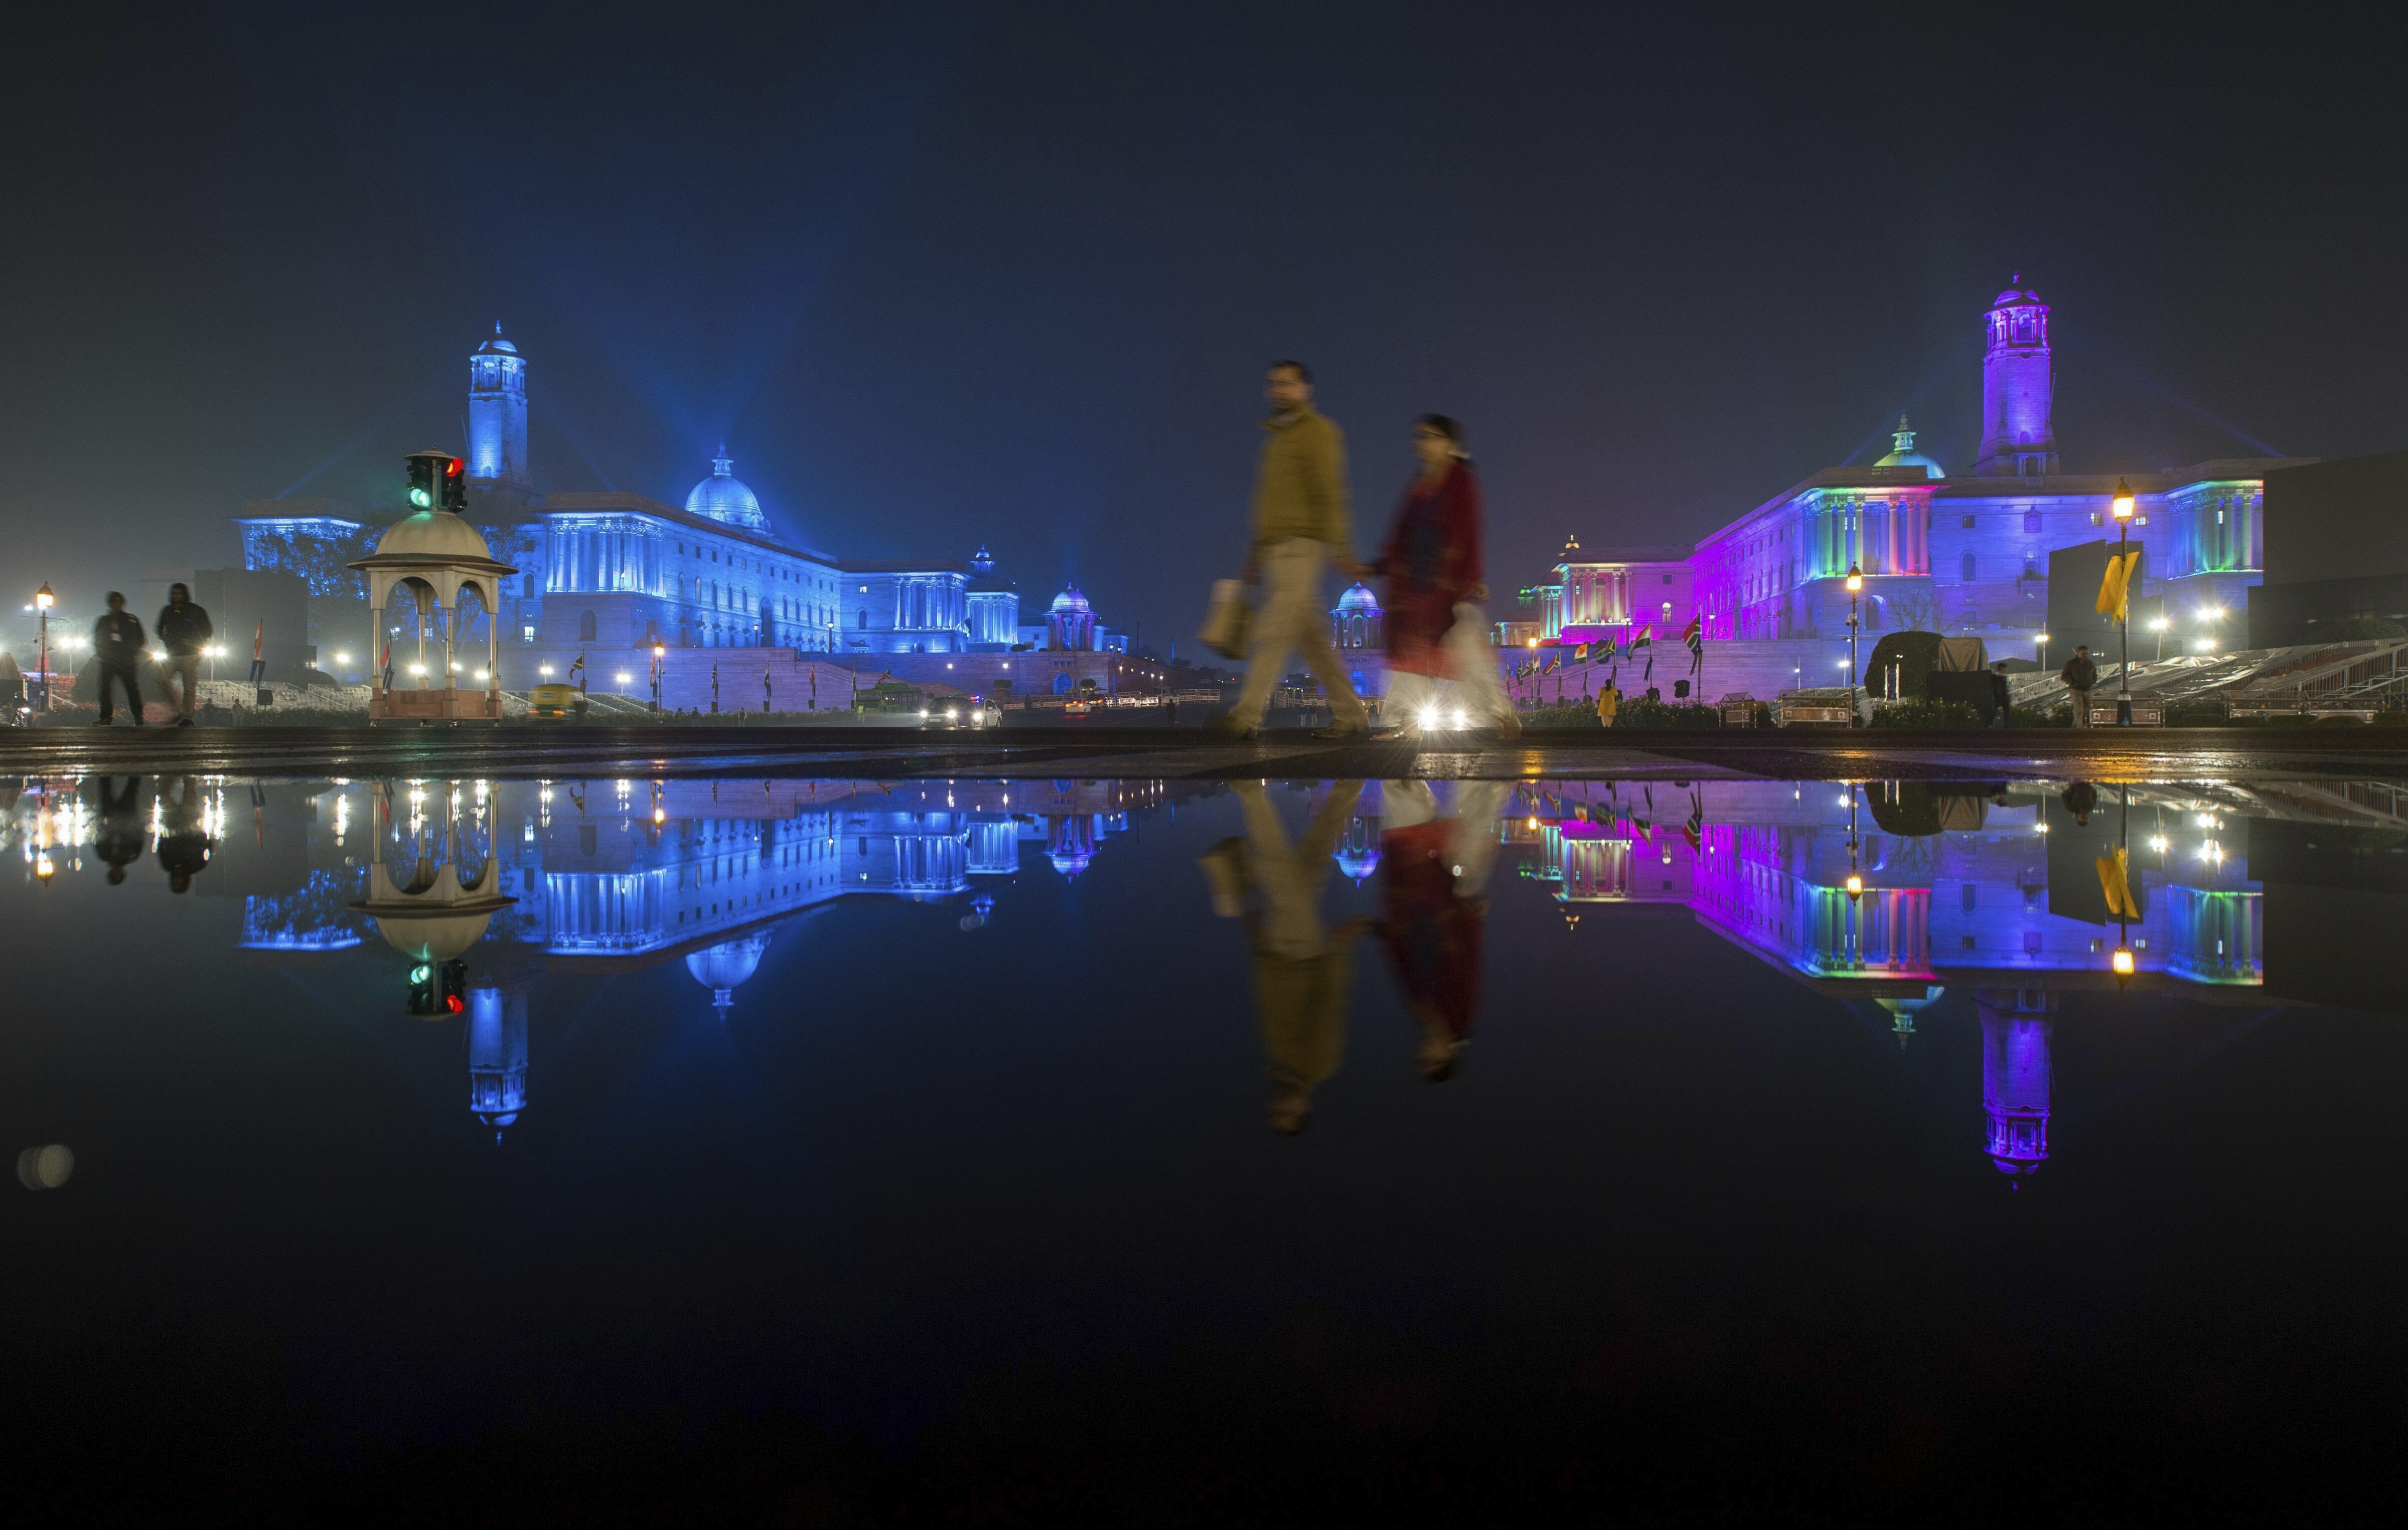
pixel 1011 272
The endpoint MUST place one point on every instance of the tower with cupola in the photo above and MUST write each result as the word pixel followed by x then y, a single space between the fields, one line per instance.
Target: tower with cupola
pixel 497 419
pixel 2018 387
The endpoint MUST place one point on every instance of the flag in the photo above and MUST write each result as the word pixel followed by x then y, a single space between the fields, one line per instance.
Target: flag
pixel 1638 642
pixel 2115 880
pixel 1580 654
pixel 1695 827
pixel 1552 660
pixel 385 663
pixel 258 644
pixel 1696 636
pixel 2116 590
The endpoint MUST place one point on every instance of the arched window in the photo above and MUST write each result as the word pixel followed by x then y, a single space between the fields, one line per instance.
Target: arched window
pixel 860 620
pixel 585 626
pixel 2031 523
pixel 1966 569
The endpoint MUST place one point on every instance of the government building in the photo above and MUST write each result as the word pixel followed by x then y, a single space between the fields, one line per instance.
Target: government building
pixel 607 577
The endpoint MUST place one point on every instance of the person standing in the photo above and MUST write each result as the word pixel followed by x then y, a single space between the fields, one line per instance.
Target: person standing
pixel 2002 699
pixel 1432 566
pixel 183 831
pixel 2080 674
pixel 122 830
pixel 1609 701
pixel 117 641
pixel 764 691
pixel 1302 524
pixel 184 629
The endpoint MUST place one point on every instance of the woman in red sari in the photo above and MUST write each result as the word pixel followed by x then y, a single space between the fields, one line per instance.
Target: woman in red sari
pixel 1432 566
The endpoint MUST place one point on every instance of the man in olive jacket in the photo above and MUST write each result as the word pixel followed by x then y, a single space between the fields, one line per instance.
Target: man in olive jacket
pixel 2079 676
pixel 184 631
pixel 1301 525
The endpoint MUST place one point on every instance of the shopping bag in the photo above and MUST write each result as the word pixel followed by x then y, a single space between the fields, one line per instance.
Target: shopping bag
pixel 1224 627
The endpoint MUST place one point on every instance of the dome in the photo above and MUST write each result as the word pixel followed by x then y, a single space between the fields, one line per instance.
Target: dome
pixel 984 579
pixel 435 533
pixel 723 967
pixel 1359 598
pixel 725 497
pixel 497 346
pixel 1358 861
pixel 1902 454
pixel 1070 603
pixel 2016 293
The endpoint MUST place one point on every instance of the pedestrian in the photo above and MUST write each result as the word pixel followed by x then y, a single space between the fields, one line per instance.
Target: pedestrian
pixel 2079 799
pixel 1303 969
pixel 1169 710
pixel 183 831
pixel 184 629
pixel 2079 676
pixel 117 642
pixel 1609 701
pixel 2002 700
pixel 118 812
pixel 764 691
pixel 1434 582
pixel 715 688
pixel 1302 524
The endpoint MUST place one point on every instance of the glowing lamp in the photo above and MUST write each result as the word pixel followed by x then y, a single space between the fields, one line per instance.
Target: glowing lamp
pixel 660 651
pixel 1855 886
pixel 1855 578
pixel 43 599
pixel 2123 961
pixel 2123 500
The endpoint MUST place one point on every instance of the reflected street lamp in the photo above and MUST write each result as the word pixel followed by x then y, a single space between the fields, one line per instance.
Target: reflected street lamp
pixel 1855 593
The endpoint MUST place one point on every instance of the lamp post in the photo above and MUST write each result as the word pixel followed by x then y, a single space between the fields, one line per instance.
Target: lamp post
pixel 660 651
pixel 2122 961
pixel 43 601
pixel 2159 624
pixel 2124 625
pixel 1855 593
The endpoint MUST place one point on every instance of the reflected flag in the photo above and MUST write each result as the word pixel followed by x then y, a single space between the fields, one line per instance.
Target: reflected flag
pixel 2115 881
pixel 1695 828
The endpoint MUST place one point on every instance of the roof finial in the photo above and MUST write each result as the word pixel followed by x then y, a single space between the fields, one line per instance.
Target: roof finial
pixel 722 466
pixel 497 329
pixel 1903 437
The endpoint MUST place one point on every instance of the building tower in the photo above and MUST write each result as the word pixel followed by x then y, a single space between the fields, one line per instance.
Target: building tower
pixel 2018 387
pixel 497 419
pixel 2016 1075
pixel 497 1056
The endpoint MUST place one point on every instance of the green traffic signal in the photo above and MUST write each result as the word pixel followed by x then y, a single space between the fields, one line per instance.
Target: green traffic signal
pixel 418 974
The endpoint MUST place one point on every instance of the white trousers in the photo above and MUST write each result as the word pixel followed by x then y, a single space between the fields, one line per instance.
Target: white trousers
pixel 1478 693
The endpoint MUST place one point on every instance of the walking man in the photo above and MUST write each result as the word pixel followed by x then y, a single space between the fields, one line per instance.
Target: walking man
pixel 1302 524
pixel 117 641
pixel 184 630
pixel 2079 676
pixel 2002 698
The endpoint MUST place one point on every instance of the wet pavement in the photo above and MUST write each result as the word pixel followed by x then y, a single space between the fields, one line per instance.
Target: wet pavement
pixel 1600 1133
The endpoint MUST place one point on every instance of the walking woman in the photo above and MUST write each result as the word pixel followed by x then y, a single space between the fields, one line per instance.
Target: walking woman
pixel 1435 583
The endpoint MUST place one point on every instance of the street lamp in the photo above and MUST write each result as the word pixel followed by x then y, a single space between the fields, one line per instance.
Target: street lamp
pixel 1855 593
pixel 2124 627
pixel 660 651
pixel 43 601
pixel 2159 625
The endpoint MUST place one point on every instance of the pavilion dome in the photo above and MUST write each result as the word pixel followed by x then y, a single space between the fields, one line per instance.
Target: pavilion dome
pixel 724 968
pixel 1359 862
pixel 725 497
pixel 497 346
pixel 1070 603
pixel 1359 598
pixel 1902 453
pixel 434 534
pixel 2016 293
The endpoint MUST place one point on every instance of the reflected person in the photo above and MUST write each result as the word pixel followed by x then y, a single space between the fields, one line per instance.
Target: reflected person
pixel 1436 865
pixel 1302 966
pixel 118 812
pixel 183 835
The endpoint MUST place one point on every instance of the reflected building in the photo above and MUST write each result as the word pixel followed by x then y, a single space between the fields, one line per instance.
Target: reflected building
pixel 724 968
pixel 2016 1075
pixel 497 1056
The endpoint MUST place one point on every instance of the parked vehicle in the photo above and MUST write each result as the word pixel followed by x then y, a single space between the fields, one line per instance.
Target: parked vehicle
pixel 555 701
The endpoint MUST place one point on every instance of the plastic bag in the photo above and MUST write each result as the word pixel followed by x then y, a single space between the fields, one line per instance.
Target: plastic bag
pixel 1224 628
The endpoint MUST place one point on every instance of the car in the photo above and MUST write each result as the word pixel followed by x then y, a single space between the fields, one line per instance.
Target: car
pixel 1077 709
pixel 962 713
pixel 561 701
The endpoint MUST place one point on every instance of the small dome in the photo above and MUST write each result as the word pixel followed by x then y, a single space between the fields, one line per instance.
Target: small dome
pixel 497 346
pixel 1359 598
pixel 434 534
pixel 724 967
pixel 725 497
pixel 1070 602
pixel 1903 454
pixel 2016 293
pixel 1358 863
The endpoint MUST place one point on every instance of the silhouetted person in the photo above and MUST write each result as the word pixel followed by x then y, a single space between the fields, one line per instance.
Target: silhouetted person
pixel 183 842
pixel 12 684
pixel 1435 580
pixel 1435 870
pixel 1302 968
pixel 117 641
pixel 2002 699
pixel 1302 524
pixel 2080 674
pixel 184 631
pixel 119 827
pixel 2079 799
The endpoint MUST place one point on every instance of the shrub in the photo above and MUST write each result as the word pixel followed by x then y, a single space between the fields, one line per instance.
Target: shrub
pixel 1912 651
pixel 1643 713
pixel 1564 714
pixel 2359 628
pixel 2196 714
pixel 2040 717
pixel 1926 714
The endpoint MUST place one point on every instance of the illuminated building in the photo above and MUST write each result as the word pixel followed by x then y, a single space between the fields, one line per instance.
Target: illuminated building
pixel 497 1056
pixel 724 968
pixel 2016 1075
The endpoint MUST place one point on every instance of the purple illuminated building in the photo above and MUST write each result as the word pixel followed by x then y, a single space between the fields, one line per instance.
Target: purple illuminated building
pixel 2018 386
pixel 2015 1076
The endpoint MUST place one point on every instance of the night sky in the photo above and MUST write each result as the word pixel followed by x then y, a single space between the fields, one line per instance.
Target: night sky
pixel 1012 273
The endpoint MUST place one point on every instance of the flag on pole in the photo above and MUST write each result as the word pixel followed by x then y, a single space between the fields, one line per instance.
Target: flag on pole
pixel 1695 640
pixel 1552 660
pixel 1580 654
pixel 2116 590
pixel 2115 880
pixel 385 663
pixel 258 646
pixel 1638 642
pixel 1695 828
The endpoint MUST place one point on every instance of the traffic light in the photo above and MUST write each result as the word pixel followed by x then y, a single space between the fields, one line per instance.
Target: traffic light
pixel 421 988
pixel 452 987
pixel 438 481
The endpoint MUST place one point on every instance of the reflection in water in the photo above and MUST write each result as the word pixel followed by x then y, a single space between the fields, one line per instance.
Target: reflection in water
pixel 1884 895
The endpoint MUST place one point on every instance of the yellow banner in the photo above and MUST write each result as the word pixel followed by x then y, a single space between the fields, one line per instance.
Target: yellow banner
pixel 2115 882
pixel 2116 590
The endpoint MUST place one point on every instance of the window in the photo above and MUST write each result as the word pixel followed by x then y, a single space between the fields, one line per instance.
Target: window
pixel 585 626
pixel 1969 523
pixel 860 620
pixel 2031 523
pixel 1965 897
pixel 1667 578
pixel 2094 518
pixel 1966 569
pixel 526 632
pixel 2031 942
pixel 2031 566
